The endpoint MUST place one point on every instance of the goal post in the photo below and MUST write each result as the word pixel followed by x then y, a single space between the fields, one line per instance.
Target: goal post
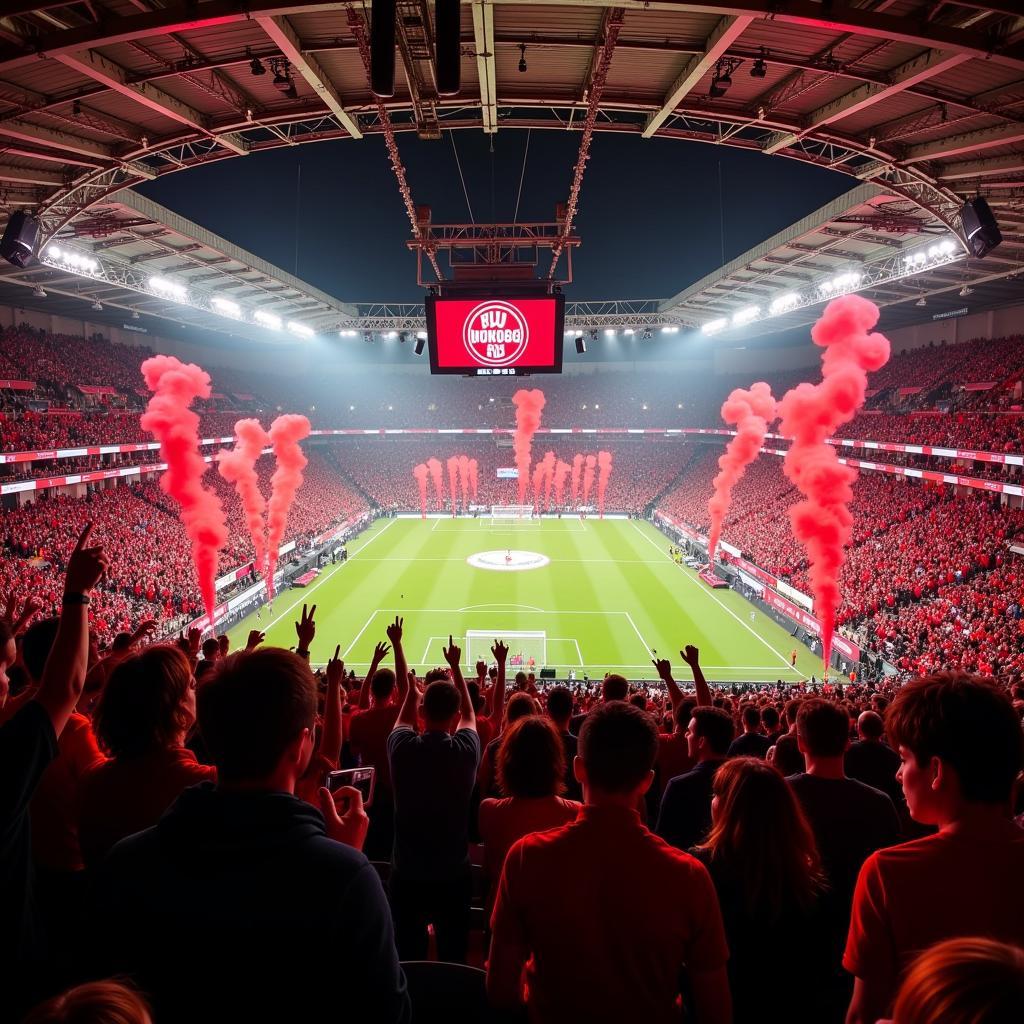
pixel 527 648
pixel 502 515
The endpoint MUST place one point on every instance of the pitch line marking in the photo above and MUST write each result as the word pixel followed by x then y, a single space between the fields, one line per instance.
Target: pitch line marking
pixel 637 631
pixel 710 594
pixel 579 653
pixel 373 615
pixel 481 607
pixel 327 576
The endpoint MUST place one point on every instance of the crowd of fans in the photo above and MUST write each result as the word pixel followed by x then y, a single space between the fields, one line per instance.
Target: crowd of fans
pixel 644 850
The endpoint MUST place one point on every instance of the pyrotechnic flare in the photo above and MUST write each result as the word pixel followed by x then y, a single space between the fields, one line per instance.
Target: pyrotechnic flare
pixel 434 466
pixel 562 470
pixel 538 484
pixel 285 434
pixel 549 478
pixel 529 407
pixel 238 467
pixel 464 480
pixel 453 484
pixel 751 411
pixel 809 414
pixel 577 469
pixel 588 477
pixel 175 385
pixel 473 470
pixel 420 472
pixel 604 471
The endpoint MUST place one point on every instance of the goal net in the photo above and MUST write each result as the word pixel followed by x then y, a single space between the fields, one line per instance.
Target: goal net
pixel 527 648
pixel 502 515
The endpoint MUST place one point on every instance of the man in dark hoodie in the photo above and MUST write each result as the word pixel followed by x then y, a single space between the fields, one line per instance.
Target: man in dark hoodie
pixel 245 902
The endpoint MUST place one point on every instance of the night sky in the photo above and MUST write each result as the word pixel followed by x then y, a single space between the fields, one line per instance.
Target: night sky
pixel 650 216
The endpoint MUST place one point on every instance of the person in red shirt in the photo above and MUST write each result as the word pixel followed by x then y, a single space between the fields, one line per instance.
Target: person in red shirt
pixel 142 719
pixel 961 747
pixel 606 894
pixel 531 775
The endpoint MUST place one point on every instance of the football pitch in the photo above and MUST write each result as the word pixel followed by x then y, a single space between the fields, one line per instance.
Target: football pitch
pixel 605 594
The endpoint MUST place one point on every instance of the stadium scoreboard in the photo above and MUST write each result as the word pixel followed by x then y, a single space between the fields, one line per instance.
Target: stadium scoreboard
pixel 504 336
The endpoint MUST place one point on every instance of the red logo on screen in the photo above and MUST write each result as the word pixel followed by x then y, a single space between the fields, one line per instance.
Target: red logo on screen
pixel 495 334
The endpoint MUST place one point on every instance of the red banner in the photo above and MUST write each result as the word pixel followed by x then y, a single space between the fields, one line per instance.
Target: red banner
pixel 847 648
pixel 18 385
pixel 96 389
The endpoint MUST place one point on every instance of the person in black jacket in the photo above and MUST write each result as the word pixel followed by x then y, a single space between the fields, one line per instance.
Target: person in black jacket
pixel 244 902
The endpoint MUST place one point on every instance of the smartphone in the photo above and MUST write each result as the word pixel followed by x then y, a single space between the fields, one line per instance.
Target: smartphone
pixel 362 778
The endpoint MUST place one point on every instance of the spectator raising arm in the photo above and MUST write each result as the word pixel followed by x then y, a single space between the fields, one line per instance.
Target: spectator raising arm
pixel 500 652
pixel 407 695
pixel 305 630
pixel 380 652
pixel 333 735
pixel 64 675
pixel 691 656
pixel 467 716
pixel 664 668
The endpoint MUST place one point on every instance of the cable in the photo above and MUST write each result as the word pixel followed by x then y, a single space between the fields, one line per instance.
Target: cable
pixel 522 175
pixel 458 164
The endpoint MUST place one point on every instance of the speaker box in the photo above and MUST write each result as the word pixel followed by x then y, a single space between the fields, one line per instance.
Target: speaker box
pixel 447 28
pixel 18 245
pixel 547 673
pixel 421 344
pixel 581 344
pixel 980 227
pixel 382 48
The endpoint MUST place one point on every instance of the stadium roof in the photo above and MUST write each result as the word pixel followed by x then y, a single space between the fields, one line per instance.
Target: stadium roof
pixel 922 97
pixel 135 241
pixel 867 233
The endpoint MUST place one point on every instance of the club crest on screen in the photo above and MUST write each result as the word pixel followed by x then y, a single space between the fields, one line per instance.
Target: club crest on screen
pixel 495 333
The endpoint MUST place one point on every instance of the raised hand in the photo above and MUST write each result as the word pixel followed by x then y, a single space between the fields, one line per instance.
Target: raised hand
pixel 86 565
pixel 223 643
pixel 380 652
pixel 394 631
pixel 145 629
pixel 690 655
pixel 481 669
pixel 336 668
pixel 305 628
pixel 500 651
pixel 194 638
pixel 664 667
pixel 256 637
pixel 18 620
pixel 452 654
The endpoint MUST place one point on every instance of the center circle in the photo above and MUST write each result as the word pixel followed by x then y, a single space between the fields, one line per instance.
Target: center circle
pixel 505 560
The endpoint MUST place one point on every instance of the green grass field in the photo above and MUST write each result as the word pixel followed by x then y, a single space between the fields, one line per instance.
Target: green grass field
pixel 608 596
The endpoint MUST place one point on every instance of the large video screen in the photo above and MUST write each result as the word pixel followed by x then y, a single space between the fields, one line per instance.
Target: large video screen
pixel 495 337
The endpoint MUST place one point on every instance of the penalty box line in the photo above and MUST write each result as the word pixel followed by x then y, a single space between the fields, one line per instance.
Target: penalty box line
pixel 551 639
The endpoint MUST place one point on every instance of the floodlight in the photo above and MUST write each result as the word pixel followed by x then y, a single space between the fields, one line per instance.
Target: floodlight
pixel 744 316
pixel 300 329
pixel 265 319
pixel 714 326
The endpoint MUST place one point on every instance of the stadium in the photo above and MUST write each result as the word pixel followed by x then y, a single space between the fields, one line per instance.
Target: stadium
pixel 553 546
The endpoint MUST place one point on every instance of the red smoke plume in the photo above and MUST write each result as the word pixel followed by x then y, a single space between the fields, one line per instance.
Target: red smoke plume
pixel 464 480
pixel 420 472
pixel 548 463
pixel 529 407
pixel 238 467
pixel 812 412
pixel 577 467
pixel 453 486
pixel 285 434
pixel 538 484
pixel 562 470
pixel 751 411
pixel 604 468
pixel 473 469
pixel 435 474
pixel 588 477
pixel 175 385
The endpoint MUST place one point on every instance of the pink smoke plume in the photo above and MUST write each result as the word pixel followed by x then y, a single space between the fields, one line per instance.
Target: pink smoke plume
pixel 473 471
pixel 588 477
pixel 562 470
pixel 577 468
pixel 453 484
pixel 175 385
pixel 751 412
pixel 529 408
pixel 420 472
pixel 604 470
pixel 809 414
pixel 549 478
pixel 435 474
pixel 285 434
pixel 538 484
pixel 238 467
pixel 464 480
